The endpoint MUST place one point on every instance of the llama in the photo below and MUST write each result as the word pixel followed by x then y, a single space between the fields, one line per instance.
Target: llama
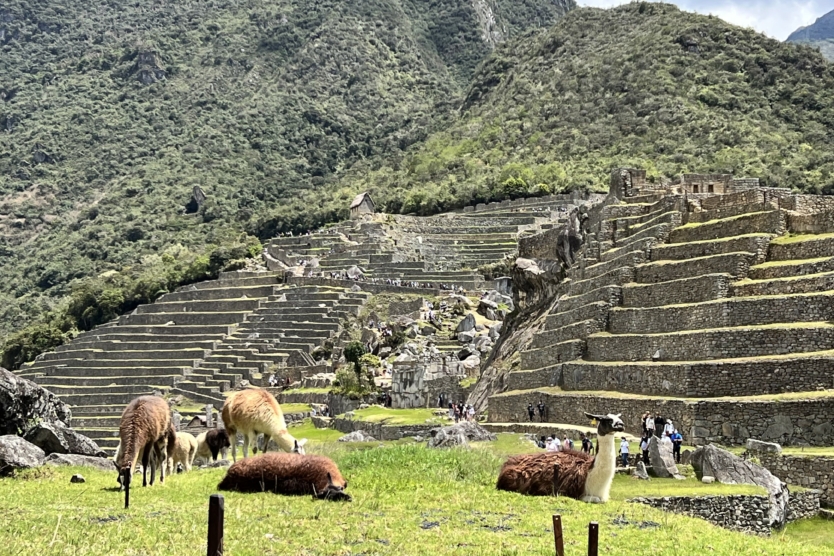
pixel 255 411
pixel 144 430
pixel 574 474
pixel 290 474
pixel 210 443
pixel 184 450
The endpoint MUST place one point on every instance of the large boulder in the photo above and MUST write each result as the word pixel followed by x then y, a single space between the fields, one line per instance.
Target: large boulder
pixel 22 403
pixel 357 436
pixel 17 453
pixel 459 434
pixel 728 468
pixel 322 422
pixel 74 460
pixel 754 445
pixel 467 324
pixel 662 459
pixel 54 438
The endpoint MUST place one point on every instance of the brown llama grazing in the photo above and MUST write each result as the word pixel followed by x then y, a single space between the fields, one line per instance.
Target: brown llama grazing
pixel 570 473
pixel 254 411
pixel 144 430
pixel 210 443
pixel 291 474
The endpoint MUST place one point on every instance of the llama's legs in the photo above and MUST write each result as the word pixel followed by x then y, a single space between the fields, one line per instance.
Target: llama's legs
pixel 592 499
pixel 233 441
pixel 267 438
pixel 164 461
pixel 245 446
pixel 146 460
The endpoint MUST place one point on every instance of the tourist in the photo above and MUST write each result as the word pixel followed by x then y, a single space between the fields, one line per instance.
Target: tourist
pixel 668 428
pixel 644 447
pixel 649 425
pixel 542 410
pixel 451 410
pixel 677 441
pixel 553 444
pixel 567 443
pixel 530 411
pixel 587 445
pixel 471 413
pixel 624 451
pixel 643 422
pixel 542 442
pixel 659 423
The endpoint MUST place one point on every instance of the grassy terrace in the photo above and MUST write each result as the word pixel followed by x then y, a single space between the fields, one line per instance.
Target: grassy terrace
pixel 788 238
pixel 407 500
pixel 728 219
pixel 786 397
pixel 388 416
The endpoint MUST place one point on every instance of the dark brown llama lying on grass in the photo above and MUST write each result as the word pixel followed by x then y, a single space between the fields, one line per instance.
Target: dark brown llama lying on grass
pixel 145 429
pixel 291 474
pixel 569 473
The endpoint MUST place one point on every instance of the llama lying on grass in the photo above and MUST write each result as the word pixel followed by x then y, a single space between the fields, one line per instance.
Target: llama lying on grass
pixel 183 452
pixel 570 473
pixel 145 429
pixel 210 443
pixel 291 474
pixel 254 411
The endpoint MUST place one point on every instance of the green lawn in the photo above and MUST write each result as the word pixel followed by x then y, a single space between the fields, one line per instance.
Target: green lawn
pixel 295 407
pixel 376 414
pixel 407 500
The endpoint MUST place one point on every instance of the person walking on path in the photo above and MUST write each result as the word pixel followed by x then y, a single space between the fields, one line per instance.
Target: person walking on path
pixel 587 446
pixel 542 410
pixel 624 451
pixel 677 440
pixel 530 411
pixel 644 447
pixel 649 425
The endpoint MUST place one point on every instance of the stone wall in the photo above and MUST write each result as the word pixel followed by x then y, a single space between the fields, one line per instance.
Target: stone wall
pixel 687 290
pixel 736 264
pixel 808 204
pixel 364 286
pixel 813 223
pixel 745 513
pixel 770 222
pixel 380 431
pixel 808 422
pixel 419 383
pixel 806 471
pixel 808 249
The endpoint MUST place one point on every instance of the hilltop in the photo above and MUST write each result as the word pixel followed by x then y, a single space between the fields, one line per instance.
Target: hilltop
pixel 820 34
pixel 111 115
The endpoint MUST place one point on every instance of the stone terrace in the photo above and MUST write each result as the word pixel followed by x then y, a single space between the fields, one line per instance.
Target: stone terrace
pixel 703 307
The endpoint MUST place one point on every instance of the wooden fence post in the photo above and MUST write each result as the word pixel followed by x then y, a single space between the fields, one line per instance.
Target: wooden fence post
pixel 557 535
pixel 215 525
pixel 593 538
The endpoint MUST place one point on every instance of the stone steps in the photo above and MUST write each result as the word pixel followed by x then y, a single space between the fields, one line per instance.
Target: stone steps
pixel 808 283
pixel 115 363
pixel 631 258
pixel 137 345
pixel 576 330
pixel 221 293
pixel 597 311
pixel 788 268
pixel 94 354
pixel 69 382
pixel 729 211
pixel 644 244
pixel 188 318
pixel 802 247
pixel 120 397
pixel 113 372
pixel 715 343
pixel 671 217
pixel 211 306
pixel 735 264
pixel 770 222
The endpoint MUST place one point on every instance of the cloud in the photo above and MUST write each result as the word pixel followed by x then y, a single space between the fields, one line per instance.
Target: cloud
pixel 775 18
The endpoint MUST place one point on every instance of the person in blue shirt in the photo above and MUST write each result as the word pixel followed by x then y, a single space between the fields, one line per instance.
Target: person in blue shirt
pixel 677 441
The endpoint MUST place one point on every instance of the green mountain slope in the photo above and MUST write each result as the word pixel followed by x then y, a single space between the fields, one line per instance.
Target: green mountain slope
pixel 820 35
pixel 111 113
pixel 643 84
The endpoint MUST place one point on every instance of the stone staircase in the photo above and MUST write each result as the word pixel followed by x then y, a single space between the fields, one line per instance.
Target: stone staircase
pixel 697 306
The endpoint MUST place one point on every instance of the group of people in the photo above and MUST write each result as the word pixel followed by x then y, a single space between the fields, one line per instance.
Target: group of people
pixel 459 411
pixel 275 382
pixel 540 407
pixel 553 444
pixel 662 428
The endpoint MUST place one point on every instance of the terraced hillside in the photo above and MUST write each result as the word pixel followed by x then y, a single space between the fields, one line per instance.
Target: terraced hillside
pixel 202 340
pixel 715 310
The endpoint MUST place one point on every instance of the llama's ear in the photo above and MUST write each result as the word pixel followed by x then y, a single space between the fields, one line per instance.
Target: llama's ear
pixel 301 442
pixel 592 416
pixel 329 479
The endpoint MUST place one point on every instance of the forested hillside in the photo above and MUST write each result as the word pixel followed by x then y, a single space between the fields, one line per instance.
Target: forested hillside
pixel 820 34
pixel 111 112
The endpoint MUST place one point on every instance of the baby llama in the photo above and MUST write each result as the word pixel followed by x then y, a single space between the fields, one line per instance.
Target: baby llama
pixel 574 474
pixel 291 474
pixel 254 411
pixel 211 443
pixel 185 449
pixel 144 430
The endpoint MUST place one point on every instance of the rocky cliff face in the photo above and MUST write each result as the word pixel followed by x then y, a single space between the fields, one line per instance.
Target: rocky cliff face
pixel 23 404
pixel 819 34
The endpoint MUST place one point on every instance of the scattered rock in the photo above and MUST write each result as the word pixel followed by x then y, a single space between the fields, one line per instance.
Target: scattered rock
pixel 459 434
pixel 485 305
pixel 77 478
pixel 495 331
pixel 428 331
pixel 662 459
pixel 322 422
pixel 418 438
pixel 707 479
pixel 730 469
pixel 759 446
pixel 17 453
pixel 466 337
pixel 467 324
pixel 75 460
pixel 363 406
pixel 22 402
pixel 54 438
pixel 218 463
pixel 686 457
pixel 472 362
pixel 640 471
pixel 357 436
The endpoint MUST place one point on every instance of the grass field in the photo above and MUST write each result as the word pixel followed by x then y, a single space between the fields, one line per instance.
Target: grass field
pixel 407 500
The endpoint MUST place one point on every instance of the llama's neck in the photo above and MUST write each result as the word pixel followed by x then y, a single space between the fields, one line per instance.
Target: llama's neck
pixel 285 440
pixel 599 479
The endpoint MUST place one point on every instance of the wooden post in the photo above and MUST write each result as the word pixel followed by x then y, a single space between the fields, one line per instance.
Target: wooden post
pixel 593 538
pixel 215 525
pixel 557 535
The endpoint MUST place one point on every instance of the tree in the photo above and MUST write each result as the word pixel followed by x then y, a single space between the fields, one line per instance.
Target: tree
pixel 353 354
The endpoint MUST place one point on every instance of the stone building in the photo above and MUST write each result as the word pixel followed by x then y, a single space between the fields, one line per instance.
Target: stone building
pixel 362 204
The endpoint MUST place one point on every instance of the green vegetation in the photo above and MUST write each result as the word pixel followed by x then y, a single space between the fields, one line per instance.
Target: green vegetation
pixel 387 416
pixel 407 500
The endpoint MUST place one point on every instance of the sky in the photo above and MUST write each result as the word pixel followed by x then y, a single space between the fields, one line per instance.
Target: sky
pixel 775 18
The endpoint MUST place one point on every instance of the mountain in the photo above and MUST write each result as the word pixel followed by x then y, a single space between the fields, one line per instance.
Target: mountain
pixel 645 85
pixel 820 34
pixel 111 113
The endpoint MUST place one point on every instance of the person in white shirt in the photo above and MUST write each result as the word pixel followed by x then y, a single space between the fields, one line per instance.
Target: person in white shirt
pixel 624 451
pixel 650 425
pixel 554 445
pixel 644 447
pixel 668 428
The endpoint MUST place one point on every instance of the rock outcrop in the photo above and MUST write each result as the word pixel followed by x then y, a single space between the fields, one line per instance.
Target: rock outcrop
pixel 75 460
pixel 731 469
pixel 16 453
pixel 459 434
pixel 54 438
pixel 23 403
pixel 357 436
pixel 662 460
